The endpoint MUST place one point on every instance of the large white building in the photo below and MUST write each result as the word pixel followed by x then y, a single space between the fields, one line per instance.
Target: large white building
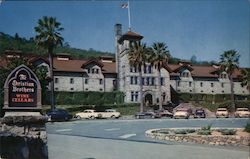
pixel 107 74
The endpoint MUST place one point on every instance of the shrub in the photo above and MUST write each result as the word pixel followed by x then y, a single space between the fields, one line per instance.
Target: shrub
pixel 180 131
pixel 190 130
pixel 207 128
pixel 227 131
pixel 247 128
pixel 204 132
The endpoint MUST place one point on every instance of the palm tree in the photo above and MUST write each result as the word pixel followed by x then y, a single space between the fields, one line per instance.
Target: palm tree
pixel 245 77
pixel 159 56
pixel 137 55
pixel 229 62
pixel 49 37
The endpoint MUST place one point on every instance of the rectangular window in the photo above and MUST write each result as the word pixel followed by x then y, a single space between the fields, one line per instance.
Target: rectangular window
pixel 131 80
pixel 162 81
pixel 88 70
pixel 86 81
pixel 201 84
pixel 149 69
pixel 136 96
pixel 212 84
pixel 145 68
pixel 131 69
pixel 222 85
pixel 132 96
pixel 135 80
pixel 56 80
pixel 190 84
pixel 97 71
pixel 178 83
pixel 71 80
pixel 152 81
pixel 100 81
pixel 93 70
pixel 142 80
pixel 148 80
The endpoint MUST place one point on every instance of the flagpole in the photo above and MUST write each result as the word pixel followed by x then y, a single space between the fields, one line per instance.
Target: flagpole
pixel 129 23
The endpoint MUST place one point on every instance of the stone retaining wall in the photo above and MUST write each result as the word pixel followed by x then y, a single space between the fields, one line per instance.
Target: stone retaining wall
pixel 23 138
pixel 232 140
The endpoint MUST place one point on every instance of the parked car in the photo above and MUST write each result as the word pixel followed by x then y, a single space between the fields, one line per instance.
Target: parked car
pixel 59 115
pixel 242 113
pixel 200 113
pixel 87 114
pixel 163 113
pixel 222 112
pixel 182 113
pixel 145 115
pixel 109 113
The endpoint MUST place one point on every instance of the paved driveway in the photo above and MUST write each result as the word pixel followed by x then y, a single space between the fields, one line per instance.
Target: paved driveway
pixel 107 139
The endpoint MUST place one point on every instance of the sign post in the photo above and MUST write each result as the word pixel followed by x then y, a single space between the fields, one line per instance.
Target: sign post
pixel 22 90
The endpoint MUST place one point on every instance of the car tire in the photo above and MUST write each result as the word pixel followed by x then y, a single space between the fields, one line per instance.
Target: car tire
pixel 78 117
pixel 91 117
pixel 113 117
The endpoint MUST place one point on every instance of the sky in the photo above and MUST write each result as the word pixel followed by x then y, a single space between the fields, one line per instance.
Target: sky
pixel 204 28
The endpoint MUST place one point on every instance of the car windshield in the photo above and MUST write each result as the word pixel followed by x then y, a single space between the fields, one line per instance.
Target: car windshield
pixel 242 109
pixel 222 110
pixel 199 111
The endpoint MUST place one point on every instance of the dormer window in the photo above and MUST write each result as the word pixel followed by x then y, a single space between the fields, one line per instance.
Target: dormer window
pixel 185 74
pixel 223 75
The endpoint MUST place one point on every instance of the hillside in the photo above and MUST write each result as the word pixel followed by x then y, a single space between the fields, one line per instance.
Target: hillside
pixel 8 42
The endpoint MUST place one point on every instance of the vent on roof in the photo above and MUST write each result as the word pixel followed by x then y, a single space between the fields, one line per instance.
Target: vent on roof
pixel 109 59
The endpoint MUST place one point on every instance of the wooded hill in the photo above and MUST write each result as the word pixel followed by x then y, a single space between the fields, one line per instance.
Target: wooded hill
pixel 28 46
pixel 8 42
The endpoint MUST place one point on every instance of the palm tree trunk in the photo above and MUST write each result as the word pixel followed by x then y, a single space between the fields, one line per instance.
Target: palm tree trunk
pixel 52 96
pixel 140 96
pixel 159 88
pixel 232 93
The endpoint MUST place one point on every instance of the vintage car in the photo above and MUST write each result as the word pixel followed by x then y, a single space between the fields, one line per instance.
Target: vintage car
pixel 163 113
pixel 87 114
pixel 242 113
pixel 199 113
pixel 109 113
pixel 145 115
pixel 58 115
pixel 222 113
pixel 182 113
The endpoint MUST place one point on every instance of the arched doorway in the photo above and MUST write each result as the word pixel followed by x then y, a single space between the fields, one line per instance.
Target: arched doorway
pixel 148 100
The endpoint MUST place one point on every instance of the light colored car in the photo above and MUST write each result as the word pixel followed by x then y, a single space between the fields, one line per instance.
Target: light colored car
pixel 87 114
pixel 222 112
pixel 182 113
pixel 109 113
pixel 242 113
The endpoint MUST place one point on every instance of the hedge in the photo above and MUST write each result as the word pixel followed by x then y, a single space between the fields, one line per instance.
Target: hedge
pixel 87 98
pixel 217 98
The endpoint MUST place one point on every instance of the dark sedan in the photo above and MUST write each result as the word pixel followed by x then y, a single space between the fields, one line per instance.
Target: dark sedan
pixel 200 113
pixel 145 115
pixel 59 115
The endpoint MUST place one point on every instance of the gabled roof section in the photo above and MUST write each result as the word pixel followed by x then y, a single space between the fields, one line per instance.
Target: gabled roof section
pixel 98 63
pixel 34 59
pixel 109 67
pixel 68 66
pixel 131 36
pixel 188 67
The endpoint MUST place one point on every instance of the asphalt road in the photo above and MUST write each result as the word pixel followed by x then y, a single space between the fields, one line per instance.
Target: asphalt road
pixel 125 139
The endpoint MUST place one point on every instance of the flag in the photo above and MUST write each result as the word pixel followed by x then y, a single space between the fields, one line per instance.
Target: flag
pixel 125 5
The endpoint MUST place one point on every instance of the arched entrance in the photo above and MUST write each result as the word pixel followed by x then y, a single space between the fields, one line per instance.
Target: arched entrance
pixel 148 100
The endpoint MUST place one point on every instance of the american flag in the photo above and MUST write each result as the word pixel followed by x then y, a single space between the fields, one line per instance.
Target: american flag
pixel 125 5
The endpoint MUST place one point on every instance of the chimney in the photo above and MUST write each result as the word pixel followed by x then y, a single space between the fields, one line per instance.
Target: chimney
pixel 118 31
